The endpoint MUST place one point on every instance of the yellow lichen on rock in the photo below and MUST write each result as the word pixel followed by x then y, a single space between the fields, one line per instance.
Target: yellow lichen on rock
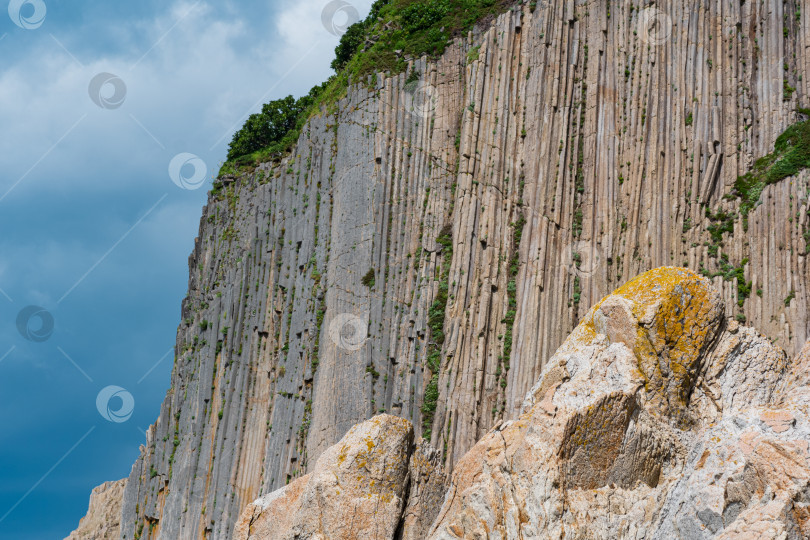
pixel 357 488
pixel 668 317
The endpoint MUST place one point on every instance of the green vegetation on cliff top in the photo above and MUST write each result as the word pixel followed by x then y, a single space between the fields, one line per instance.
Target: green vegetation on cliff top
pixel 394 31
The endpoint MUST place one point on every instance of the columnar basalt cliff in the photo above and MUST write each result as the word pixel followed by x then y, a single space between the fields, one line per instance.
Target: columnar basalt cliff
pixel 432 239
pixel 657 418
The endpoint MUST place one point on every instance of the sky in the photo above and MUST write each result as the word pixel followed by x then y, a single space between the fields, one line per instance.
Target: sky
pixel 115 118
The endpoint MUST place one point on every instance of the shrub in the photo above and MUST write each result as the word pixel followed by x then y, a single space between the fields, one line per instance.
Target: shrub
pixel 368 279
pixel 791 154
pixel 349 44
pixel 263 129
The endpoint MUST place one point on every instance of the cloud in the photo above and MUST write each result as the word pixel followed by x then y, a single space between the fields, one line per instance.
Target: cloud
pixel 189 85
pixel 85 174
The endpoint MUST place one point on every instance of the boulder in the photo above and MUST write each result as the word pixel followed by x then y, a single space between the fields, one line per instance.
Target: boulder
pixel 357 489
pixel 657 418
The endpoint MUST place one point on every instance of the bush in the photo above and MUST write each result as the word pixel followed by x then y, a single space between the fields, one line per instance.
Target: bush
pixel 368 279
pixel 349 44
pixel 791 154
pixel 395 30
pixel 423 15
pixel 355 36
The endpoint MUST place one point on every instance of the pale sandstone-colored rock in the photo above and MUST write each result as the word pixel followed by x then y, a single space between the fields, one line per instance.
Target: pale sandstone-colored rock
pixel 272 515
pixel 606 143
pixel 357 489
pixel 103 518
pixel 692 430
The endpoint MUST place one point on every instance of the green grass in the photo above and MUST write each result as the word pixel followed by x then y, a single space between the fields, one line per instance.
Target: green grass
pixel 511 293
pixel 791 154
pixel 436 324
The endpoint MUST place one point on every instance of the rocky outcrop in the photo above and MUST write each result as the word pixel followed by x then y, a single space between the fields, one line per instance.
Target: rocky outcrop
pixel 556 151
pixel 103 518
pixel 653 420
pixel 357 489
pixel 657 418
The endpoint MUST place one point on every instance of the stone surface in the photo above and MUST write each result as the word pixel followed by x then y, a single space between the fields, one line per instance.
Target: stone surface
pixel 357 489
pixel 103 519
pixel 426 493
pixel 609 143
pixel 655 419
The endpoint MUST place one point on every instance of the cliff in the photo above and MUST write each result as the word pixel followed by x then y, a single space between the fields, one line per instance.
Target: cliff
pixel 657 418
pixel 433 238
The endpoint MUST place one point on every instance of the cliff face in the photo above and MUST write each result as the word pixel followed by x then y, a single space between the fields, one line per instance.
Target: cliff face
pixel 656 418
pixel 432 240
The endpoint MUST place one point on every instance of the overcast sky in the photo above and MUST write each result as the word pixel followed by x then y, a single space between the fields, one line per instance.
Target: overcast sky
pixel 97 98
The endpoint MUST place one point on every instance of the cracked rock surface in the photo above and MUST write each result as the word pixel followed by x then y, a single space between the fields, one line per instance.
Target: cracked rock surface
pixel 655 419
pixel 103 518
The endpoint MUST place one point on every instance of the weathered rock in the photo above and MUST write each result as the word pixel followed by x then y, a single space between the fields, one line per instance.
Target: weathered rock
pixel 271 516
pixel 655 419
pixel 356 490
pixel 103 518
pixel 580 145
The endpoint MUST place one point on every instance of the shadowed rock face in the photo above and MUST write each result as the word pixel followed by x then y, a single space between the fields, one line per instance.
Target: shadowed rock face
pixel 655 419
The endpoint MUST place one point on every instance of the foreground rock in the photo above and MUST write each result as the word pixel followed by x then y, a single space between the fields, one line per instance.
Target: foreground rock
pixel 655 419
pixel 103 519
pixel 356 490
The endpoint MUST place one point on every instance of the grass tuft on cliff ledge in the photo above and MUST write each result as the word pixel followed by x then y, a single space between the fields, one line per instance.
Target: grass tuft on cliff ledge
pixel 394 31
pixel 791 154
